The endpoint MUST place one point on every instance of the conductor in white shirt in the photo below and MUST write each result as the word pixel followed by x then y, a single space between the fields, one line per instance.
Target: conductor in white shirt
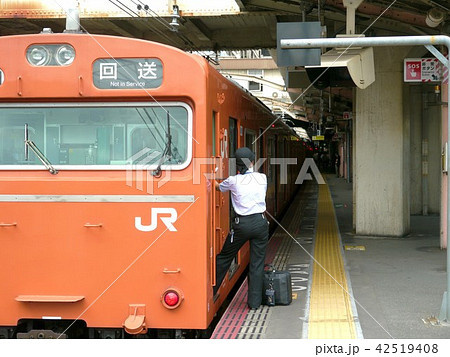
pixel 248 197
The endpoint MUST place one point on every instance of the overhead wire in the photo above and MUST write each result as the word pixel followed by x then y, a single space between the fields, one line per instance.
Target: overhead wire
pixel 136 15
pixel 190 46
pixel 158 18
pixel 148 10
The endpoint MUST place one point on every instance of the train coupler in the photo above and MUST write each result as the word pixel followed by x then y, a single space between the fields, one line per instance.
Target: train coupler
pixel 135 322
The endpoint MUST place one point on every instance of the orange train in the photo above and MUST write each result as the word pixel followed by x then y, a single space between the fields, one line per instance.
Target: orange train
pixel 109 226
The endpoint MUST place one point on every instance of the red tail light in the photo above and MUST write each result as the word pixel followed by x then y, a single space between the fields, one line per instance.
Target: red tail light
pixel 172 298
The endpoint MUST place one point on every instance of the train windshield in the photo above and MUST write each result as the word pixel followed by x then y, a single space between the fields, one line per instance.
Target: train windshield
pixel 97 136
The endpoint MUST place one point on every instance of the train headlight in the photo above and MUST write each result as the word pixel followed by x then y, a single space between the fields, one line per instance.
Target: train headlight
pixel 38 55
pixel 50 55
pixel 65 55
pixel 172 298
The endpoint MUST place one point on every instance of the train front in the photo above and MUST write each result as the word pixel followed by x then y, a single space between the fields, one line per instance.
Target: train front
pixel 100 220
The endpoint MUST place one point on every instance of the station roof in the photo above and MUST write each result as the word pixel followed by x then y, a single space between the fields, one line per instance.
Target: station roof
pixel 223 24
pixel 217 25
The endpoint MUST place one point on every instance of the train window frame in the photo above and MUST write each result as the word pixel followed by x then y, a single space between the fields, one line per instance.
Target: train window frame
pixel 108 167
pixel 251 145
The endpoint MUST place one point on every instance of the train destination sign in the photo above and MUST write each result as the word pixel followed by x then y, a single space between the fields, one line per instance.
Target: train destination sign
pixel 127 73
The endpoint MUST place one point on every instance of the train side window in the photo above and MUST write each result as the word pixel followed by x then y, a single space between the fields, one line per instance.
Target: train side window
pixel 250 141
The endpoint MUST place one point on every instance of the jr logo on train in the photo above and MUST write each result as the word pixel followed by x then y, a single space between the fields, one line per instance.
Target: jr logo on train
pixel 155 212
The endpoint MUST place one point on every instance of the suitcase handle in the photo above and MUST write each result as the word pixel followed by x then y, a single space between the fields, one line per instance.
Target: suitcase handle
pixel 270 266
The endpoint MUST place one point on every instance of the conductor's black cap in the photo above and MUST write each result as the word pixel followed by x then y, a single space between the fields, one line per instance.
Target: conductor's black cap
pixel 243 157
pixel 244 153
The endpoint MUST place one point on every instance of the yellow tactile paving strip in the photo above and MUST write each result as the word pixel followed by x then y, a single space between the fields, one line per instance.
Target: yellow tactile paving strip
pixel 330 314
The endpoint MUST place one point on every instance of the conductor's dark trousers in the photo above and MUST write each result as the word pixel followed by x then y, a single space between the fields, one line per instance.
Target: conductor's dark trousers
pixel 254 228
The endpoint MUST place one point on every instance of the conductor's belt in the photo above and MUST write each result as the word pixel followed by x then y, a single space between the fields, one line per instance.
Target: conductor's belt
pixel 248 216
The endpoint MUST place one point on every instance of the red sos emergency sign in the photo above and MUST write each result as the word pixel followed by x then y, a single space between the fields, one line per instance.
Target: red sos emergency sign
pixel 422 70
pixel 413 70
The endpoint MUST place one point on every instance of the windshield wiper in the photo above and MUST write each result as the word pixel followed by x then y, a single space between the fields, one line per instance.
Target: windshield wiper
pixel 167 154
pixel 30 144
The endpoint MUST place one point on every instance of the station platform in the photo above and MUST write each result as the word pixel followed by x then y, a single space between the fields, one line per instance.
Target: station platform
pixel 346 286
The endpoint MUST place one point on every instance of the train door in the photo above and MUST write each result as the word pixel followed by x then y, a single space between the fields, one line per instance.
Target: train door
pixel 233 143
pixel 215 232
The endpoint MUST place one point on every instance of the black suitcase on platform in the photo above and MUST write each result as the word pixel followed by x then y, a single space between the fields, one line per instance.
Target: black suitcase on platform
pixel 277 288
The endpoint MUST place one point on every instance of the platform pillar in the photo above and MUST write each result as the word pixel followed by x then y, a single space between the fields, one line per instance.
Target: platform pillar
pixel 381 171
